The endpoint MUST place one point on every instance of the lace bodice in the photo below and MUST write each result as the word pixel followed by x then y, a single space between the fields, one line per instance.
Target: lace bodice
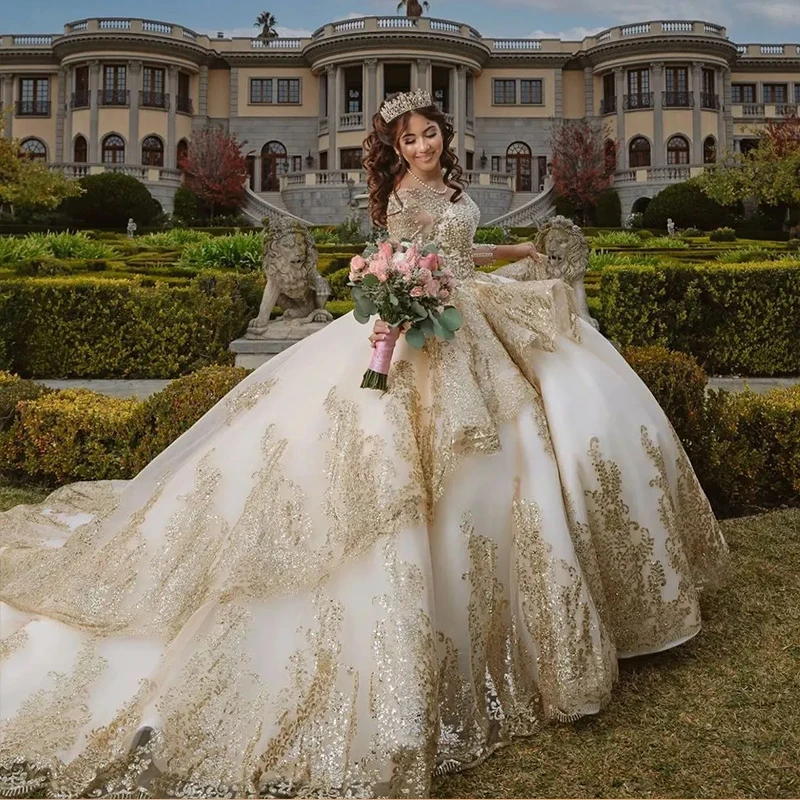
pixel 418 215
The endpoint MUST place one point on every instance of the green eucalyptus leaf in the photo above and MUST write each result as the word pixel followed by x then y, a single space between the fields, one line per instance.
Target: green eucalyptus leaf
pixel 426 326
pixel 418 309
pixel 360 317
pixel 415 337
pixel 369 280
pixel 450 318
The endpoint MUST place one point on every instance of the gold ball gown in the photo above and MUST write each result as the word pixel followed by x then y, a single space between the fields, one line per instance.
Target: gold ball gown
pixel 325 590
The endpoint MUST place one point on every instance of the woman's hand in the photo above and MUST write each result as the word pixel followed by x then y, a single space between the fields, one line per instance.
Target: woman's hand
pixel 528 250
pixel 381 329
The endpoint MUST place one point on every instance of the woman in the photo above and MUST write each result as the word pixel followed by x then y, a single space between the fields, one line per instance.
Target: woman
pixel 321 589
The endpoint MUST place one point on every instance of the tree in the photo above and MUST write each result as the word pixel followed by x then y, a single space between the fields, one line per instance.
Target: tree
pixel 688 207
pixel 267 23
pixel 582 163
pixel 215 169
pixel 109 200
pixel 413 7
pixel 769 173
pixel 28 183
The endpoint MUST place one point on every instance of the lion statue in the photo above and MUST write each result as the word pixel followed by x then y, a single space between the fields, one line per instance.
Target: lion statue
pixel 567 251
pixel 293 283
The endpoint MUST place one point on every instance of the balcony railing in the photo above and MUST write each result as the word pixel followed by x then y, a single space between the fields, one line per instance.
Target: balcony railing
pixel 114 97
pixel 786 109
pixel 33 108
pixel 677 99
pixel 630 102
pixel 153 100
pixel 81 99
pixel 323 126
pixel 753 110
pixel 709 100
pixel 352 121
pixel 608 105
pixel 184 104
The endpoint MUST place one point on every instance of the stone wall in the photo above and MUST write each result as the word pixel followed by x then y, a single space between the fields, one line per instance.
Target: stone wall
pixel 164 192
pixel 298 135
pixel 322 205
pixel 491 200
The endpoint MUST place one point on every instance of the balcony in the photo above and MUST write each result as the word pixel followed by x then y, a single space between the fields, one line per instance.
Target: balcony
pixel 184 104
pixel 786 109
pixel 153 100
pixel 33 108
pixel 608 105
pixel 114 97
pixel 81 99
pixel 633 102
pixel 351 122
pixel 677 99
pixel 323 126
pixel 709 101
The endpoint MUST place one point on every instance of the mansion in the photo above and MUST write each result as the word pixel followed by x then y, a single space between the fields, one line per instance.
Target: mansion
pixel 126 94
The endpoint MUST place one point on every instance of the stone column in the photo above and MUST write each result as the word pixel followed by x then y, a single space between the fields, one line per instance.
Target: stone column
pixel 719 83
pixel 589 109
pixel 333 115
pixel 697 113
pixel 558 90
pixel 257 165
pixel 170 162
pixel 727 112
pixel 414 76
pixel 233 110
pixel 371 100
pixel 134 84
pixel 452 92
pixel 424 75
pixel 657 84
pixel 619 91
pixel 7 104
pixel 200 119
pixel 380 84
pixel 460 113
pixel 94 112
pixel 62 113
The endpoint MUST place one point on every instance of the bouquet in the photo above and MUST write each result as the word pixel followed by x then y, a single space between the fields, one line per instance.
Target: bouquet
pixel 406 286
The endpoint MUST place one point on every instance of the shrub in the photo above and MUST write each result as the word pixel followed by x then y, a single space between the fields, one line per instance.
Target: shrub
pixel 793 244
pixel 109 200
pixel 108 327
pixel 691 233
pixel 177 237
pixel 687 205
pixel 743 255
pixel 493 235
pixel 12 250
pixel 164 416
pixel 722 235
pixel 645 234
pixel 600 259
pixel 338 283
pixel 72 245
pixel 349 231
pixel 566 208
pixel 608 210
pixel 69 436
pixel 329 264
pixel 13 390
pixel 735 319
pixel 323 234
pixel 616 239
pixel 186 205
pixel 240 251
pixel 665 243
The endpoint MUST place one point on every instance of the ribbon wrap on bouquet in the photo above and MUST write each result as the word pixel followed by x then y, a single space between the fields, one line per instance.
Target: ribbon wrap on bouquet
pixel 376 376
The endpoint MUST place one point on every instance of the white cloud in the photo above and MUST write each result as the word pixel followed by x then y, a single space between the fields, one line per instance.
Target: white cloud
pixel 570 34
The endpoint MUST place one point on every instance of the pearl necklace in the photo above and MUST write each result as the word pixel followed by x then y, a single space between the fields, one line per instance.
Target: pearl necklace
pixel 427 185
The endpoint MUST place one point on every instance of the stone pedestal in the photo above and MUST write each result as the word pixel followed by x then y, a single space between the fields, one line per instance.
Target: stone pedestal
pixel 279 336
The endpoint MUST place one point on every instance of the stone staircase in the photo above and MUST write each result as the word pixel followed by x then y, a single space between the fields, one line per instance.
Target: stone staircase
pixel 274 199
pixel 528 209
pixel 266 204
pixel 519 200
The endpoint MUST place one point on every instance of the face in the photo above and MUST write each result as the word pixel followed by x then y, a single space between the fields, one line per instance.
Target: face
pixel 421 145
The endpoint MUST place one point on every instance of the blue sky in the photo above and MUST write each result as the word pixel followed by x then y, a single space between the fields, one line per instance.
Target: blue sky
pixel 775 21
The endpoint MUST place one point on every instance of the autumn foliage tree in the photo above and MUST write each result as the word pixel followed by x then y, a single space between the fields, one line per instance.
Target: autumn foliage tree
pixel 583 163
pixel 215 169
pixel 769 173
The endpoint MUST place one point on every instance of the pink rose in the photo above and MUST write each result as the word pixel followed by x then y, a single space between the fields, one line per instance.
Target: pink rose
pixel 381 271
pixel 430 261
pixel 444 294
pixel 417 291
pixel 412 256
pixel 357 264
pixel 386 251
pixel 432 287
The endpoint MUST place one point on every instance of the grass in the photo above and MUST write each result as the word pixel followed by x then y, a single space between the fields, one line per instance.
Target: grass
pixel 718 717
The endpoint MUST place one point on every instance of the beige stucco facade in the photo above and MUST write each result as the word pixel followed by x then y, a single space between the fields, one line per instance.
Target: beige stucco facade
pixel 647 82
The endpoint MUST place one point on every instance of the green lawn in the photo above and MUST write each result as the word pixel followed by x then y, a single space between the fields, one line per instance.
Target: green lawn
pixel 718 717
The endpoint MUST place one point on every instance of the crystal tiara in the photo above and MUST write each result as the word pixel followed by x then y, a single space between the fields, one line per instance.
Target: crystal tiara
pixel 407 101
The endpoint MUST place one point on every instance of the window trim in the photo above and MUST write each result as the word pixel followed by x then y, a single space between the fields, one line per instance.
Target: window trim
pixel 163 151
pixel 771 85
pixel 540 81
pixel 742 101
pixel 276 92
pixel 274 82
pixel 684 151
pixel 41 158
pixel 267 82
pixel 513 81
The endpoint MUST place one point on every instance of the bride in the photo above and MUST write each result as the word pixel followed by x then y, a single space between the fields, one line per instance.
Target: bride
pixel 323 590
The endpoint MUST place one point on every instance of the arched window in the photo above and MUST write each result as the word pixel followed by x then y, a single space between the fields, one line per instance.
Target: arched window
pixel 639 152
pixel 113 149
pixel 709 150
pixel 640 205
pixel 520 164
pixel 80 150
pixel 274 162
pixel 183 149
pixel 152 152
pixel 34 149
pixel 677 150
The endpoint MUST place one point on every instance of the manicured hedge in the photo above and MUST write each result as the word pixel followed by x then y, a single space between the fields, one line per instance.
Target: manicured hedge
pixel 137 327
pixel 735 319
pixel 745 447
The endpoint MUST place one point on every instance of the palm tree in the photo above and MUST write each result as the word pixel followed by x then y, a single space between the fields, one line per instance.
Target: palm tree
pixel 413 7
pixel 267 23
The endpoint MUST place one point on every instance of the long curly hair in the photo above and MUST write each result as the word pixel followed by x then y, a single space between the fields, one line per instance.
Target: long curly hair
pixel 385 169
